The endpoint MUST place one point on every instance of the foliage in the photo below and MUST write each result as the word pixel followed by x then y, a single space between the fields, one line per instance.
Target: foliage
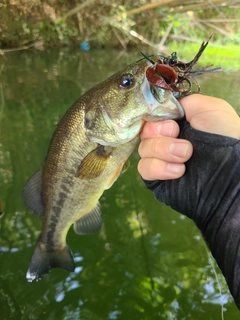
pixel 117 23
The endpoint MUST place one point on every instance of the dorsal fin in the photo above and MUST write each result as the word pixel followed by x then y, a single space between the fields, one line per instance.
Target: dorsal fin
pixel 32 194
pixel 90 223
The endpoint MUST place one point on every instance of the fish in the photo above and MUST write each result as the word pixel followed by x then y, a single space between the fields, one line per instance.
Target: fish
pixel 88 151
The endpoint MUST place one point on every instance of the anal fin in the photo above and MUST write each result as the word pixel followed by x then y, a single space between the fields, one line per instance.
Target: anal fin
pixel 90 223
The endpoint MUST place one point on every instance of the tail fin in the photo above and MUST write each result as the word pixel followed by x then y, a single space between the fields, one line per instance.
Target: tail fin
pixel 43 261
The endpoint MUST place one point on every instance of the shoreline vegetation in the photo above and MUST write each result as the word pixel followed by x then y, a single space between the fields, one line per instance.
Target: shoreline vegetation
pixel 157 25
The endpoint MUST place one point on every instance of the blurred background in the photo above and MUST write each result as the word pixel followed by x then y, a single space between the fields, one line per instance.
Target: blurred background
pixel 148 262
pixel 121 24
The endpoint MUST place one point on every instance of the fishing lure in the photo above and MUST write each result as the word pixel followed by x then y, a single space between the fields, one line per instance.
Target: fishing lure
pixel 169 73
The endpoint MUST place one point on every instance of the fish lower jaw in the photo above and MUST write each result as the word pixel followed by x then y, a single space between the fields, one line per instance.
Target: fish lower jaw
pixel 130 132
pixel 120 134
pixel 164 113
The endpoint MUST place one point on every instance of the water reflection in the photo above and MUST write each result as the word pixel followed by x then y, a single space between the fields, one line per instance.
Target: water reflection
pixel 6 249
pixel 147 262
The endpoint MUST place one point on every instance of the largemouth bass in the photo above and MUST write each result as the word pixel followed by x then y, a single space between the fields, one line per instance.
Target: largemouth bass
pixel 88 150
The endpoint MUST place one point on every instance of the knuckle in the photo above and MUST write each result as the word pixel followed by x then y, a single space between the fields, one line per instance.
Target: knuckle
pixel 153 167
pixel 156 146
pixel 143 169
pixel 141 148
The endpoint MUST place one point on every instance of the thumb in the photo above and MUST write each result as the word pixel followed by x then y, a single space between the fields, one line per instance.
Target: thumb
pixel 212 115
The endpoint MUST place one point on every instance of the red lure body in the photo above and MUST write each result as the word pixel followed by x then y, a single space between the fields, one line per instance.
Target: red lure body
pixel 162 75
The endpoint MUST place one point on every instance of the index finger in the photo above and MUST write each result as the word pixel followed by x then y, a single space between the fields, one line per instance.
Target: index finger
pixel 168 128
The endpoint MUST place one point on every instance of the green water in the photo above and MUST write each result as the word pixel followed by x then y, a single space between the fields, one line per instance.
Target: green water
pixel 148 262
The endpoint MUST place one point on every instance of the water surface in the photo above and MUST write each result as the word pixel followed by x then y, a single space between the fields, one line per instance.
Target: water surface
pixel 148 262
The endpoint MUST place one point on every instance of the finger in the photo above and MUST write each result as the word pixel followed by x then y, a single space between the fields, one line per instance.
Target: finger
pixel 156 169
pixel 161 128
pixel 211 114
pixel 166 148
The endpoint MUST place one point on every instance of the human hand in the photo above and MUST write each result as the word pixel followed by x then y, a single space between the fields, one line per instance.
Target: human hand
pixel 209 190
pixel 163 155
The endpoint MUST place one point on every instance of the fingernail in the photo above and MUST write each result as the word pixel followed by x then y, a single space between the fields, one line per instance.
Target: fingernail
pixel 175 167
pixel 165 128
pixel 179 149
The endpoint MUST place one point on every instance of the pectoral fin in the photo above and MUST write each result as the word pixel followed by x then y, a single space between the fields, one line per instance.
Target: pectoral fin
pixel 32 194
pixel 125 166
pixel 90 223
pixel 94 163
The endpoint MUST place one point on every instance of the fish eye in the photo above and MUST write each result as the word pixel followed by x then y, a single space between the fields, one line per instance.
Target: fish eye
pixel 126 81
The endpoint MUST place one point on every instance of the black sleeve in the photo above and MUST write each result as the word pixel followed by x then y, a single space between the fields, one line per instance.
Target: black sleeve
pixel 209 193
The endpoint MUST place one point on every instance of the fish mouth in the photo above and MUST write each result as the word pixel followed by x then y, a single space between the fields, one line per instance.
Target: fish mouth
pixel 161 103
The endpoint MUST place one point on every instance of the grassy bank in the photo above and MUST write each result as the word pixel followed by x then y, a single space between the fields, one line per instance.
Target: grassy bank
pixel 228 57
